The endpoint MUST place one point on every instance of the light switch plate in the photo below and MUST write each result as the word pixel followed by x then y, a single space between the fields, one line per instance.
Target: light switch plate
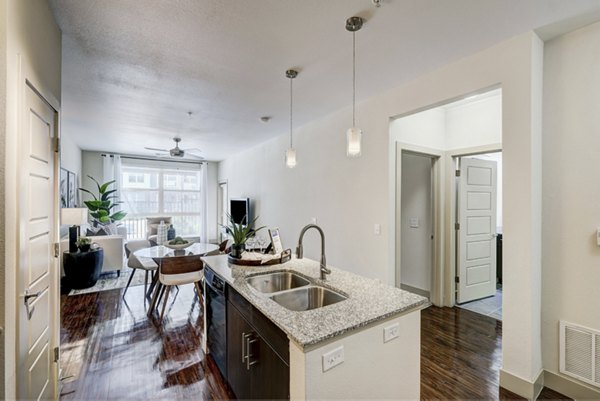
pixel 414 222
pixel 333 358
pixel 598 236
pixel 313 220
pixel 377 229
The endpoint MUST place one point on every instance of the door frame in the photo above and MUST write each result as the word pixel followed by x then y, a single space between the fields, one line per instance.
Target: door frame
pixel 15 124
pixel 220 210
pixel 452 157
pixel 437 178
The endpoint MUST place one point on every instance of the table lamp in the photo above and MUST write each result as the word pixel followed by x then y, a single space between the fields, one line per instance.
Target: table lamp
pixel 74 217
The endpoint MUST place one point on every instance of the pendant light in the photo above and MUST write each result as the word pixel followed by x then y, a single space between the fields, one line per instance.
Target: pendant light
pixel 290 154
pixel 354 134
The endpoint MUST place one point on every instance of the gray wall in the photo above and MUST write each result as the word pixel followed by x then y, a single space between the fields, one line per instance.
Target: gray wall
pixel 416 249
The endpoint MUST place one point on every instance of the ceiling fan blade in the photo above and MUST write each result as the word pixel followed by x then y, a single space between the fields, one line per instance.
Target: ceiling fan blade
pixel 197 150
pixel 156 149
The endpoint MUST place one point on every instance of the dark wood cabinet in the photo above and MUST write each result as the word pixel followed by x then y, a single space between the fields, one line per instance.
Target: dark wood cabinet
pixel 257 353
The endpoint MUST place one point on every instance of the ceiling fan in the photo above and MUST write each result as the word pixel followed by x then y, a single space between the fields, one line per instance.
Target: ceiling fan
pixel 177 151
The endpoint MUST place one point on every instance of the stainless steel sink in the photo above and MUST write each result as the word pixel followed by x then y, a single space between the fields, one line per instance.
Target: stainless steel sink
pixel 307 298
pixel 278 281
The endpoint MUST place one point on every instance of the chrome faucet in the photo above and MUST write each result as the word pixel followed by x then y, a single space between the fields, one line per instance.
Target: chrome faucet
pixel 300 249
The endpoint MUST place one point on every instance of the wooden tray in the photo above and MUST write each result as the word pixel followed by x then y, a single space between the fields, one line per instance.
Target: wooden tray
pixel 285 257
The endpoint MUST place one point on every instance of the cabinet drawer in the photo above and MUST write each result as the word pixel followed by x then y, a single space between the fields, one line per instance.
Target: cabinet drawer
pixel 271 334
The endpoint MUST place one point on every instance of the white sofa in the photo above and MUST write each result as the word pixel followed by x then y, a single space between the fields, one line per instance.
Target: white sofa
pixel 114 251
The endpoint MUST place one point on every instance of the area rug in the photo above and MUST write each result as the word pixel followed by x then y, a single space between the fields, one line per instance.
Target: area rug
pixel 110 281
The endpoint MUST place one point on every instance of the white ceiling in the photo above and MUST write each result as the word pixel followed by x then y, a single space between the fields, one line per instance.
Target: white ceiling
pixel 132 69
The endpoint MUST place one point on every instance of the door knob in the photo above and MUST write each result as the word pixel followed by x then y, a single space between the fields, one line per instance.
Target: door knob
pixel 26 297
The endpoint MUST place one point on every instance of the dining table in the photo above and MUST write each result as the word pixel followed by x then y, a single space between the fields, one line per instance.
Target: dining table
pixel 161 252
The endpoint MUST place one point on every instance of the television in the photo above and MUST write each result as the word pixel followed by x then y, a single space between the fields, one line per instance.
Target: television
pixel 238 209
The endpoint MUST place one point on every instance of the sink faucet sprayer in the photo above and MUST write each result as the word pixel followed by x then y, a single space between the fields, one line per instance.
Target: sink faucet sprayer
pixel 300 249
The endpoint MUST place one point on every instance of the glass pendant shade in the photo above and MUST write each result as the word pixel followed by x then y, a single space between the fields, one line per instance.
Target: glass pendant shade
pixel 290 158
pixel 353 142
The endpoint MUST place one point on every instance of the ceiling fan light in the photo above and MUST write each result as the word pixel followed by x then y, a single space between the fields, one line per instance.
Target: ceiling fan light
pixel 353 142
pixel 290 158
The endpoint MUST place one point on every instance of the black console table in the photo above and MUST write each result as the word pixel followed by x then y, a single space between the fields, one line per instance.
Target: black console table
pixel 82 269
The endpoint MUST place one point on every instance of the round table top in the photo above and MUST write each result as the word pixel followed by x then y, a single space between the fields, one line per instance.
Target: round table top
pixel 161 252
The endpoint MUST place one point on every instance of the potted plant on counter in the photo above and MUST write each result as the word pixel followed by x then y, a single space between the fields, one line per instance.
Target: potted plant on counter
pixel 240 232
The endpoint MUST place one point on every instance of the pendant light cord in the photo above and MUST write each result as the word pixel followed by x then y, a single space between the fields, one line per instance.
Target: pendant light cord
pixel 291 110
pixel 353 79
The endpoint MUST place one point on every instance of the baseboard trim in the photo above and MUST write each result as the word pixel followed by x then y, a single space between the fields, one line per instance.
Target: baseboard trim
pixel 520 386
pixel 415 290
pixel 570 387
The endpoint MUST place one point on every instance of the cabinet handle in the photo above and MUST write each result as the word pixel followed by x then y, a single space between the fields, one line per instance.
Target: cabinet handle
pixel 245 349
pixel 249 343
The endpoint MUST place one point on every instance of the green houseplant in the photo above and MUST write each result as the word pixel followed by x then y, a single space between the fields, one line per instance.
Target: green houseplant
pixel 84 244
pixel 240 233
pixel 101 206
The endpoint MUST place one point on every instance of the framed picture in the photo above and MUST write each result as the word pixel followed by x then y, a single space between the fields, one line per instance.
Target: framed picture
pixel 72 190
pixel 275 240
pixel 64 188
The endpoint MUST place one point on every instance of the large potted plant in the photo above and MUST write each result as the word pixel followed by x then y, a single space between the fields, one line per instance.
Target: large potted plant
pixel 102 203
pixel 240 232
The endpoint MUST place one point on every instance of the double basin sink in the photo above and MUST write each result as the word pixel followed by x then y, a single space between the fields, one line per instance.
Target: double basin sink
pixel 293 291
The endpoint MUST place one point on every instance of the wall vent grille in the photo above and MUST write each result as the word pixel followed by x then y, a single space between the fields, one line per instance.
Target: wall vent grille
pixel 580 352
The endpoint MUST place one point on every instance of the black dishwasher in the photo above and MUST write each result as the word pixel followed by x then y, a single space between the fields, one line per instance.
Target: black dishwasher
pixel 216 319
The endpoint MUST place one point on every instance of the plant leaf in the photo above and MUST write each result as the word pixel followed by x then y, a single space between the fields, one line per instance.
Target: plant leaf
pixel 106 195
pixel 118 216
pixel 89 192
pixel 105 186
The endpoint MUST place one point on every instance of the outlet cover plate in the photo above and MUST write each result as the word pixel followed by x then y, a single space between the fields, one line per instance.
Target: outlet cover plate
pixel 333 358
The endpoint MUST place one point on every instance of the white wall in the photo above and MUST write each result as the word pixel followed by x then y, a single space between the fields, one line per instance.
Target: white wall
pixel 571 186
pixel 426 128
pixel 71 156
pixel 473 124
pixel 33 41
pixel 3 73
pixel 348 196
pixel 417 246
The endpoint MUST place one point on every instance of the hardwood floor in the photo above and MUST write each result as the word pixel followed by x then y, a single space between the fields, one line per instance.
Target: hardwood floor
pixel 110 350
pixel 461 356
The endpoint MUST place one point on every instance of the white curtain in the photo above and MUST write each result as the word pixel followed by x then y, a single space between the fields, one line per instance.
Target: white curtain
pixel 111 168
pixel 204 203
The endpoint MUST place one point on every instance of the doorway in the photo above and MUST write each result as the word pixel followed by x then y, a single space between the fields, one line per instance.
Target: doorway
pixel 416 223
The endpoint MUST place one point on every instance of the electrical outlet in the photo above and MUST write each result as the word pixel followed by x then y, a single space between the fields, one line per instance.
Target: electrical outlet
pixel 333 358
pixel 377 229
pixel 391 332
pixel 598 236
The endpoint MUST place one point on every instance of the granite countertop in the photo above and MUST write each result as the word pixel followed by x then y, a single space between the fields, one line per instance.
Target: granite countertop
pixel 368 300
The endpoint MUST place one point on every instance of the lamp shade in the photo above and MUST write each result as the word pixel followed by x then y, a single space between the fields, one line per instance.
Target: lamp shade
pixel 74 216
pixel 353 138
pixel 290 158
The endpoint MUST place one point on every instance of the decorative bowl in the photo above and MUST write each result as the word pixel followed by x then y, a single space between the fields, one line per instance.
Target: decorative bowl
pixel 179 246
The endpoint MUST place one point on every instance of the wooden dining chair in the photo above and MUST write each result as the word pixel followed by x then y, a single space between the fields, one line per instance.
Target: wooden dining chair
pixel 179 271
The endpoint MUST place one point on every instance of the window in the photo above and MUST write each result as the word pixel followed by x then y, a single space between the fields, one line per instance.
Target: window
pixel 161 190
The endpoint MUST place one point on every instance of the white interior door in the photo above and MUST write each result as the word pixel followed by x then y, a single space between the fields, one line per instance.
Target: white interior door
pixel 38 281
pixel 477 230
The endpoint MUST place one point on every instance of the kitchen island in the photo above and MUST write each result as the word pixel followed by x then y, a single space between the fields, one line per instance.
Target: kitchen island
pixel 365 346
